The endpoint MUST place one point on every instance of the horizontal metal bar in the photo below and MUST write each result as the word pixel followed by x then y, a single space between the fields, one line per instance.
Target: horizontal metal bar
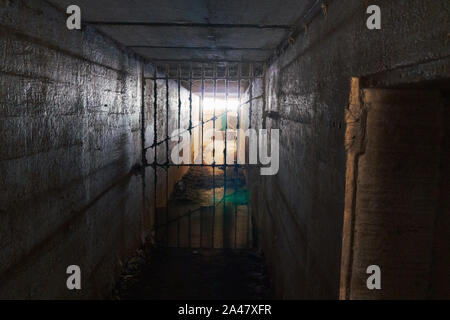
pixel 207 78
pixel 234 165
pixel 204 61
pixel 202 48
pixel 189 24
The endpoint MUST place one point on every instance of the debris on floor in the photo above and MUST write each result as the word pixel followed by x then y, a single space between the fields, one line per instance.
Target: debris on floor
pixel 183 274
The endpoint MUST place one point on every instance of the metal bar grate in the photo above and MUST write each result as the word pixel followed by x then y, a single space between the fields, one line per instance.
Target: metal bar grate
pixel 202 80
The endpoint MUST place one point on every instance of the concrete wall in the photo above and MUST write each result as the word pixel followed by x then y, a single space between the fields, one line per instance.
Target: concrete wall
pixel 300 211
pixel 71 190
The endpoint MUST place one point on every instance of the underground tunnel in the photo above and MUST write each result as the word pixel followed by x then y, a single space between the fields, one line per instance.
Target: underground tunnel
pixel 224 150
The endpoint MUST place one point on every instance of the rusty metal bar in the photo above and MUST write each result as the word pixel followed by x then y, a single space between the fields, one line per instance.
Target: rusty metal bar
pixel 227 70
pixel 214 155
pixel 202 104
pixel 201 228
pixel 155 139
pixel 203 128
pixel 179 138
pixel 236 168
pixel 250 96
pixel 206 78
pixel 202 48
pixel 220 165
pixel 192 25
pixel 226 114
pixel 189 228
pixel 190 144
pixel 238 115
pixel 167 152
pixel 229 76
pixel 249 217
pixel 144 151
pixel 190 104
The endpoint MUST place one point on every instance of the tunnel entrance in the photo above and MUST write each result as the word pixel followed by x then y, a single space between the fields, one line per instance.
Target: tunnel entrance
pixel 203 239
pixel 120 127
pixel 208 208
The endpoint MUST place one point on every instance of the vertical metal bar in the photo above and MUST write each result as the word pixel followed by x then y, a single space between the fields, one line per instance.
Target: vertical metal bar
pixel 179 139
pixel 236 171
pixel 190 141
pixel 155 140
pixel 201 227
pixel 179 102
pixel 249 217
pixel 214 154
pixel 226 115
pixel 202 104
pixel 143 144
pixel 203 114
pixel 167 155
pixel 225 154
pixel 250 96
pixel 238 116
pixel 190 108
pixel 189 229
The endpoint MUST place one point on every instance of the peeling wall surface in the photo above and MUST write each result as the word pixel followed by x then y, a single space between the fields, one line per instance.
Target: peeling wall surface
pixel 71 192
pixel 300 211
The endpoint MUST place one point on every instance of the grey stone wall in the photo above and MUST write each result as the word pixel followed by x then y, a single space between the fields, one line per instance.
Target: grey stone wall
pixel 70 136
pixel 300 210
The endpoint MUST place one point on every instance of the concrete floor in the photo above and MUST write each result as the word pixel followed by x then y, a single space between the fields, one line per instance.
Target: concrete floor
pixel 191 261
pixel 184 274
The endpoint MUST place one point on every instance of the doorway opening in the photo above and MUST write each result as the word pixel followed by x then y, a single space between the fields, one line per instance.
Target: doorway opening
pixel 396 205
pixel 203 240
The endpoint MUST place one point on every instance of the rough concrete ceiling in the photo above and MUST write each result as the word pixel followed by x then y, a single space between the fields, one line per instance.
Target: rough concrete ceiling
pixel 231 30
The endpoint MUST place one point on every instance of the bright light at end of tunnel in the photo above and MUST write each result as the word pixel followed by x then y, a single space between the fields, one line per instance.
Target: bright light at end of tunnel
pixel 219 104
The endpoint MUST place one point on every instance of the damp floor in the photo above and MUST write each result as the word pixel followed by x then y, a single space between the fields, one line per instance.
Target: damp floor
pixel 189 274
pixel 207 210
pixel 207 254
